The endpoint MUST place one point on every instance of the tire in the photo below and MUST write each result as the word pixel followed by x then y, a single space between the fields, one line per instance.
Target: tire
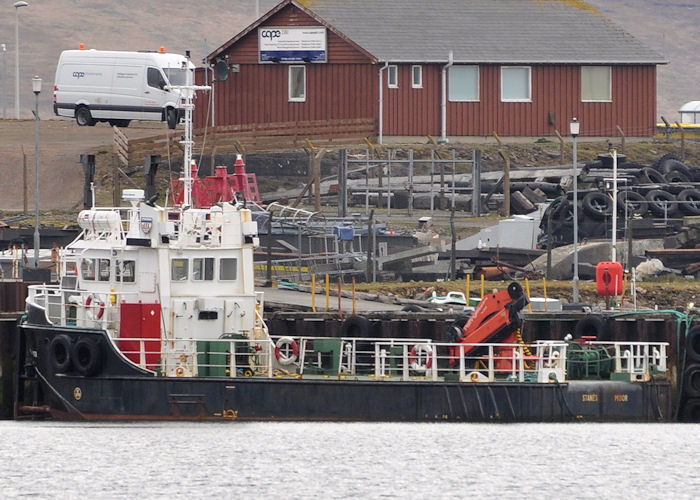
pixel 689 201
pixel 650 175
pixel 566 214
pixel 691 411
pixel 676 175
pixel 662 203
pixel 635 203
pixel 87 357
pixel 83 117
pixel 694 173
pixel 171 118
pixel 596 204
pixel 515 290
pixel 592 325
pixel 661 162
pixel 355 326
pixel 60 353
pixel 692 343
pixel 691 381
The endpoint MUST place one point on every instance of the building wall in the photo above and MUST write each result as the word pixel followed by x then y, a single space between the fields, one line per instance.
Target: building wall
pixel 347 87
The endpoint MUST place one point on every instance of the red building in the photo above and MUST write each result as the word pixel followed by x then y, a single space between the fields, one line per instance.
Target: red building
pixel 446 68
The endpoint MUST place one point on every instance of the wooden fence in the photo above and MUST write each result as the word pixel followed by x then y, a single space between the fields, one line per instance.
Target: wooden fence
pixel 248 138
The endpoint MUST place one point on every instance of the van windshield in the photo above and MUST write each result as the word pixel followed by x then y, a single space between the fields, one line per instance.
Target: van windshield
pixel 176 76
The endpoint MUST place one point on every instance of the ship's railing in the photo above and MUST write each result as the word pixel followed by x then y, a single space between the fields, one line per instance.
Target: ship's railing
pixel 380 359
pixel 83 308
pixel 638 360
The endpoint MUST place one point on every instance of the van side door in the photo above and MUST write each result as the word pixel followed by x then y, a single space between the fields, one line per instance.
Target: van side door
pixel 156 95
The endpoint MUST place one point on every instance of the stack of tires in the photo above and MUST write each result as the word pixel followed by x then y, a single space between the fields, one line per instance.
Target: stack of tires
pixel 666 190
pixel 690 395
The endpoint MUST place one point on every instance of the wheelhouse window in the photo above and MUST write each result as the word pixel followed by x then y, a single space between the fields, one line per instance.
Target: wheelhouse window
pixel 203 269
pixel 228 269
pixel 125 271
pixel 179 269
pixel 515 84
pixel 87 269
pixel 103 269
pixel 463 83
pixel 393 77
pixel 155 78
pixel 596 83
pixel 297 83
pixel 417 77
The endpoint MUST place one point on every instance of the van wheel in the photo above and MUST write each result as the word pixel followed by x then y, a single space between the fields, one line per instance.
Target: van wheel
pixel 83 117
pixel 172 118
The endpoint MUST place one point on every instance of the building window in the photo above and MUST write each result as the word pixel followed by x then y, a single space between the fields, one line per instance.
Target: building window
pixel 515 84
pixel 596 83
pixel 393 77
pixel 463 83
pixel 203 269
pixel 417 77
pixel 178 269
pixel 228 269
pixel 297 83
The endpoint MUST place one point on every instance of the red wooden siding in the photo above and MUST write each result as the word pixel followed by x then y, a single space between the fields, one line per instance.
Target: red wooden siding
pixel 556 89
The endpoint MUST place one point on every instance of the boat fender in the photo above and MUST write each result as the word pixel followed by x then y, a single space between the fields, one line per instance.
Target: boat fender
pixel 60 351
pixel 592 325
pixel 87 356
pixel 418 353
pixel 692 343
pixel 355 327
pixel 282 351
pixel 691 382
pixel 90 308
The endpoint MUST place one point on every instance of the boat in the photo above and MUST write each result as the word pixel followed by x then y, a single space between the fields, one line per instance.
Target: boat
pixel 156 317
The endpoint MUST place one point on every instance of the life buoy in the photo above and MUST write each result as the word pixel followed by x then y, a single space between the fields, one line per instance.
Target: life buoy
pixel 94 311
pixel 87 356
pixel 286 351
pixel 60 353
pixel 421 358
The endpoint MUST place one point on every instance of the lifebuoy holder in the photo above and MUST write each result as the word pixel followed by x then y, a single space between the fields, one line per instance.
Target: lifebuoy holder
pixel 90 308
pixel 286 351
pixel 421 358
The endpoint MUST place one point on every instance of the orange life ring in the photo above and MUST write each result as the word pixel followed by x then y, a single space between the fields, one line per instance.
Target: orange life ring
pixel 89 309
pixel 419 351
pixel 282 349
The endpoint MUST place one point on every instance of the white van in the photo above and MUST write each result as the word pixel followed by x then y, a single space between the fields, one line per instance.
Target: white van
pixel 117 87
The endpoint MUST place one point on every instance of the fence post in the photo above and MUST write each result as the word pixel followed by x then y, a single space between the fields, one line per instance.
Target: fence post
pixel 682 131
pixel 619 131
pixel 561 145
pixel 410 182
pixel 476 183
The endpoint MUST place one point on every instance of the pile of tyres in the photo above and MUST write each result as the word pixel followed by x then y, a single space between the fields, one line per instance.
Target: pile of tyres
pixel 668 190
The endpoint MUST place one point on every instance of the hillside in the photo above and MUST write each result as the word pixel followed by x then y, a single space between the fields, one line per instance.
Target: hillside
pixel 47 28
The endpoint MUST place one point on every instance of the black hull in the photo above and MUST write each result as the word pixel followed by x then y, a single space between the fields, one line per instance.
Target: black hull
pixel 120 394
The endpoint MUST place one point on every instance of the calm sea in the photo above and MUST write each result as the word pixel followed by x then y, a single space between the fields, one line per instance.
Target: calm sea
pixel 334 460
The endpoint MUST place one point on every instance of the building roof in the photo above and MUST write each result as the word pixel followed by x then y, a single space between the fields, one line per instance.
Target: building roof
pixel 477 31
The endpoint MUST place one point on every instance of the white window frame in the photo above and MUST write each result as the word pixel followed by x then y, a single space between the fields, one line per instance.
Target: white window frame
pixel 478 84
pixel 392 76
pixel 610 76
pixel 293 98
pixel 529 84
pixel 417 70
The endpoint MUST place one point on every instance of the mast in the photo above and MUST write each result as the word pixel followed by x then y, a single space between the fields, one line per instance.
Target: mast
pixel 187 93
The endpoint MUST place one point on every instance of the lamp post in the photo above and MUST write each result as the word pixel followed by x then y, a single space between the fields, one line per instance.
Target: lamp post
pixel 36 88
pixel 3 48
pixel 17 5
pixel 613 250
pixel 574 127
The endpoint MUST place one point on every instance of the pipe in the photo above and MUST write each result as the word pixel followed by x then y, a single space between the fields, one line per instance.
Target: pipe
pixel 381 104
pixel 443 106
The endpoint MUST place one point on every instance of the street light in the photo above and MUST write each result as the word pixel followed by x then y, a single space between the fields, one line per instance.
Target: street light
pixel 36 88
pixel 17 5
pixel 3 48
pixel 574 127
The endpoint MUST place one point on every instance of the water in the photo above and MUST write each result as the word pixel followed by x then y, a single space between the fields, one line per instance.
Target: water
pixel 336 460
